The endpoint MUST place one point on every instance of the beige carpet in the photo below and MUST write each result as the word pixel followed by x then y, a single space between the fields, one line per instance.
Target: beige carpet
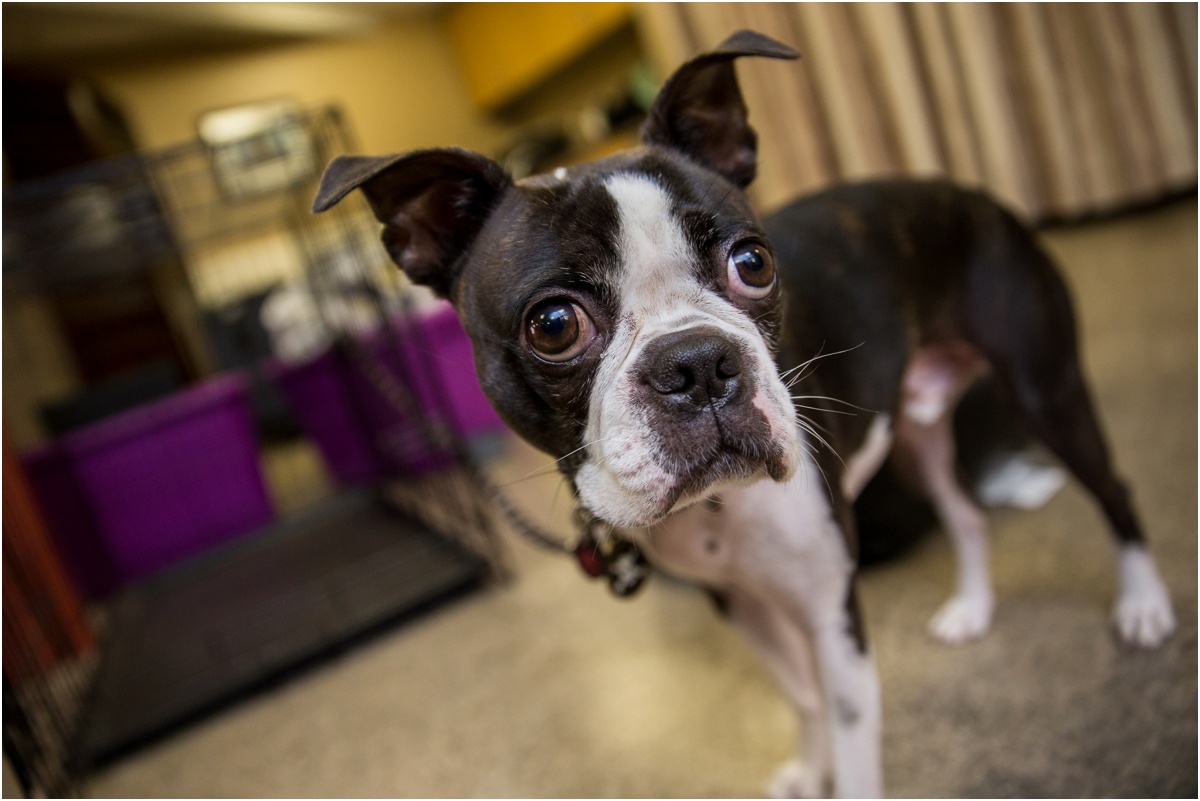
pixel 550 687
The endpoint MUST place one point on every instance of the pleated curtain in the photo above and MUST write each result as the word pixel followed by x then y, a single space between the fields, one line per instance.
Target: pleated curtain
pixel 1060 110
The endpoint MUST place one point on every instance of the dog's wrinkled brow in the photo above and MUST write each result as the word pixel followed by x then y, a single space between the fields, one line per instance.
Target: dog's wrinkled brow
pixel 572 245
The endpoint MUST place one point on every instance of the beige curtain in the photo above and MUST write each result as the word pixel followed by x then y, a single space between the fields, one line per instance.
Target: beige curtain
pixel 1062 110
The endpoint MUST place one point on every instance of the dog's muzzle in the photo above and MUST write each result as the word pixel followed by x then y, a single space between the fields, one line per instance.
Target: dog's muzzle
pixel 698 386
pixel 692 409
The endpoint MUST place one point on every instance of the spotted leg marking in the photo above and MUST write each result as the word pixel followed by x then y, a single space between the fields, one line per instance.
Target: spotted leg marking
pixel 852 694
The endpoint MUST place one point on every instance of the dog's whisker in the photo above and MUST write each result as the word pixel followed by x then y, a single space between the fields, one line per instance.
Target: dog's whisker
pixel 805 370
pixel 804 465
pixel 834 353
pixel 554 466
pixel 834 400
pixel 800 377
pixel 817 358
pixel 825 478
pixel 820 408
pixel 650 530
pixel 817 425
pixel 783 375
pixel 539 473
pixel 809 427
pixel 584 446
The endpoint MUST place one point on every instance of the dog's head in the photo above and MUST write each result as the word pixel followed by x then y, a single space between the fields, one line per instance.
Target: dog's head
pixel 624 313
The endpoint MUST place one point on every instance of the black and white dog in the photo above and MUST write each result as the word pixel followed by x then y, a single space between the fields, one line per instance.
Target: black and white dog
pixel 634 318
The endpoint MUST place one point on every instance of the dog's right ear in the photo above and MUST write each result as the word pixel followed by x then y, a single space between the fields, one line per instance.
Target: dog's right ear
pixel 432 203
pixel 700 111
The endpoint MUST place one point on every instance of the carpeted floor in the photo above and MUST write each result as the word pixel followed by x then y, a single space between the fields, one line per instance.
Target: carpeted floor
pixel 550 687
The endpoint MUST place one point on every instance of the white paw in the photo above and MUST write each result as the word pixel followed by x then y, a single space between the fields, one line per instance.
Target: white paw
pixel 1143 610
pixel 961 619
pixel 796 779
pixel 1144 620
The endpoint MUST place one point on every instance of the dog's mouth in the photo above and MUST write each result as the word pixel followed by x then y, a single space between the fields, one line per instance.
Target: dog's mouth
pixel 729 467
pixel 722 448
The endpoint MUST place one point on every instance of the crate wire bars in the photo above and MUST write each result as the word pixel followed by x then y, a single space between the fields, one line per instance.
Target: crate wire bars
pixel 210 204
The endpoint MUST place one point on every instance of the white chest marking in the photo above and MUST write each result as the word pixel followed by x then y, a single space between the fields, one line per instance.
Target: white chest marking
pixel 783 534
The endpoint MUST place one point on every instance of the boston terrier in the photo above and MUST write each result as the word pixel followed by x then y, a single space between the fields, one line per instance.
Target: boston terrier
pixel 718 387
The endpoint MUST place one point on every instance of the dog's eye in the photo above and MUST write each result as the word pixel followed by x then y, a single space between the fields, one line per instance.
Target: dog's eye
pixel 558 330
pixel 751 271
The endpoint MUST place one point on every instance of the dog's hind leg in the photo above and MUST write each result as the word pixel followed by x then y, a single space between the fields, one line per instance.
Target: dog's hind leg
pixel 934 381
pixel 784 648
pixel 1021 319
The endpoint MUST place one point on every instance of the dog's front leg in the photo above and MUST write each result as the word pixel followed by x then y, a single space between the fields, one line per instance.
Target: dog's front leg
pixel 852 693
pixel 785 650
pixel 797 565
pixel 840 713
pixel 777 553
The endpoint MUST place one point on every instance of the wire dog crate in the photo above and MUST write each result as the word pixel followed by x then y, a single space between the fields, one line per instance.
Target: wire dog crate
pixel 377 375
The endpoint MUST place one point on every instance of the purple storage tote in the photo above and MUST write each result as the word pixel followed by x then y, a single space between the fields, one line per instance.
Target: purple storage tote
pixel 157 484
pixel 441 344
pixel 69 517
pixel 361 435
pixel 319 395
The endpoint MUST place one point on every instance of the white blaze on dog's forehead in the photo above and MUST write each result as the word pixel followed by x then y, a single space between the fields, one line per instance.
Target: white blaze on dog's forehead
pixel 655 253
pixel 560 174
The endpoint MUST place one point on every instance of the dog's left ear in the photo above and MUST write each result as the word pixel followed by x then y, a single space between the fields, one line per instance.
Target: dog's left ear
pixel 432 204
pixel 700 111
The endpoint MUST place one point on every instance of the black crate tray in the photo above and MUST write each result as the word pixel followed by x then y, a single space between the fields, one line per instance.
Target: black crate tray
pixel 189 641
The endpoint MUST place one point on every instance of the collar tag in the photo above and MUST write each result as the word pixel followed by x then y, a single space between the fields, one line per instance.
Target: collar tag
pixel 620 561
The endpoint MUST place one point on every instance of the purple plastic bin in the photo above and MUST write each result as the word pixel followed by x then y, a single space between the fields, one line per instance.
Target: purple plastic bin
pixel 319 394
pixel 69 517
pixel 443 345
pixel 361 435
pixel 147 488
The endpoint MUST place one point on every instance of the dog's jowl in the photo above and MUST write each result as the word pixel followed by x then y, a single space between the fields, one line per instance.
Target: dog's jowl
pixel 635 319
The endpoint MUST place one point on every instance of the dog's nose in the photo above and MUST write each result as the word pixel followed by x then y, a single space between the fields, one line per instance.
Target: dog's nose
pixel 694 369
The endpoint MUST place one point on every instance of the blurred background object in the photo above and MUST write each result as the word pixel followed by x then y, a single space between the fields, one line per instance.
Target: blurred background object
pixel 1062 110
pixel 203 381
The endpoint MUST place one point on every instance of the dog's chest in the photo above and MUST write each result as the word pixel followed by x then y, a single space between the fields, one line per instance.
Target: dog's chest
pixel 764 531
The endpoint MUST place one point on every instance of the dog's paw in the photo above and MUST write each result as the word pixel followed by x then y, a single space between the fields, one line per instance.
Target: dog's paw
pixel 961 619
pixel 796 779
pixel 1144 619
pixel 1142 614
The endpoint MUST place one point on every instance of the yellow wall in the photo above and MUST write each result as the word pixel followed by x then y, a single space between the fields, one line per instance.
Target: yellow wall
pixel 401 89
pixel 506 48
